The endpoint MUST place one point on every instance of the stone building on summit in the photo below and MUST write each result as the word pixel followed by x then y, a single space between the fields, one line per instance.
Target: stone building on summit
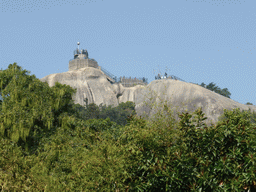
pixel 81 60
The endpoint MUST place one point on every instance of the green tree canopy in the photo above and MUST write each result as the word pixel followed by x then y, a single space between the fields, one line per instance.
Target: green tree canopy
pixel 212 86
pixel 117 114
pixel 29 106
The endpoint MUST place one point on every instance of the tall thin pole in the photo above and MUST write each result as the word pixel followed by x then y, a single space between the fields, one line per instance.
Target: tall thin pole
pixel 78 45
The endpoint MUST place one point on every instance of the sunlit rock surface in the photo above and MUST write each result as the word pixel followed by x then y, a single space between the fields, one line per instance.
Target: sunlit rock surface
pixel 91 83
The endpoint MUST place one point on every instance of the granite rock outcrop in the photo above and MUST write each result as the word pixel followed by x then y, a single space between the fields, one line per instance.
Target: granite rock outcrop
pixel 92 83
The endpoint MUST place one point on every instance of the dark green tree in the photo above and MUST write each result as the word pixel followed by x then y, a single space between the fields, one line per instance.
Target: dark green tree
pixel 92 111
pixel 203 85
pixel 110 112
pixel 212 86
pixel 117 114
pixel 225 93
pixel 125 109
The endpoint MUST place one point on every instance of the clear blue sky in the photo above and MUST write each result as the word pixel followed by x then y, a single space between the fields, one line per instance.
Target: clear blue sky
pixel 197 41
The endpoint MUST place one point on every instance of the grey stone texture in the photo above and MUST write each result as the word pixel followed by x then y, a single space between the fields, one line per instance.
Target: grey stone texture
pixel 92 83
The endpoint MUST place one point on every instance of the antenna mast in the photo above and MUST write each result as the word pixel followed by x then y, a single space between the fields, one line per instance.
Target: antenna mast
pixel 78 45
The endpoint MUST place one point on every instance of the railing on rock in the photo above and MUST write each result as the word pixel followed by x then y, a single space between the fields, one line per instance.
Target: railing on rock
pixel 168 77
pixel 130 82
pixel 177 78
pixel 108 73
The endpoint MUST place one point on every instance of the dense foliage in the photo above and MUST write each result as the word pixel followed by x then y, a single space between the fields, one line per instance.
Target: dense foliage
pixel 48 145
pixel 212 86
pixel 117 114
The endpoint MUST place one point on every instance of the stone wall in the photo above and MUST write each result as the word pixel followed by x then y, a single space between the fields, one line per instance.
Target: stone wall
pixel 130 82
pixel 81 63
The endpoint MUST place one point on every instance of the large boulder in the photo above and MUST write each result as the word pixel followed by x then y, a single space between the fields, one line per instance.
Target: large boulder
pixel 176 93
pixel 92 83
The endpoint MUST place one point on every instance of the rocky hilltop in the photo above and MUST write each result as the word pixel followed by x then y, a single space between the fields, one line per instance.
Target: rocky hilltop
pixel 92 83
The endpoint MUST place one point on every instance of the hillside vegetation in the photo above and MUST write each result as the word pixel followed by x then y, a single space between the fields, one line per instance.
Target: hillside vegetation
pixel 48 143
